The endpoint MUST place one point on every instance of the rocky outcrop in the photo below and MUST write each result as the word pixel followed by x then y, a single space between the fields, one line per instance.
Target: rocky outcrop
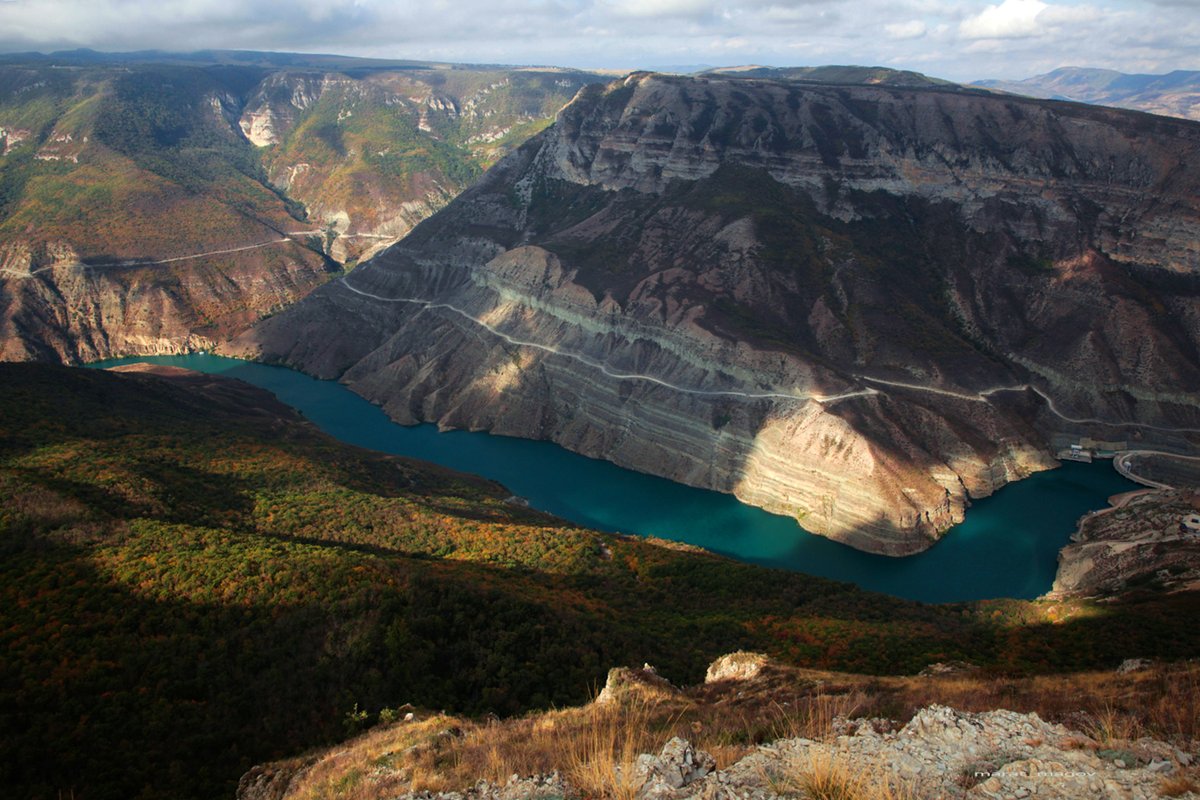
pixel 623 683
pixel 785 732
pixel 55 308
pixel 1141 543
pixel 739 666
pixel 941 752
pixel 271 111
pixel 859 306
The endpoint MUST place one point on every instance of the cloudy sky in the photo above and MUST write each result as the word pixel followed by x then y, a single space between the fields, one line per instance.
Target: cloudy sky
pixel 956 39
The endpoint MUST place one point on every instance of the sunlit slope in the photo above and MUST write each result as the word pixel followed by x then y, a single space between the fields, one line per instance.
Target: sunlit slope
pixel 134 217
pixel 162 205
pixel 371 154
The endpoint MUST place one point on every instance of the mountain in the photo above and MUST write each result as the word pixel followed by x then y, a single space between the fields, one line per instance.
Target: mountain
pixel 195 580
pixel 834 73
pixel 156 203
pixel 370 155
pixel 112 182
pixel 862 306
pixel 1176 94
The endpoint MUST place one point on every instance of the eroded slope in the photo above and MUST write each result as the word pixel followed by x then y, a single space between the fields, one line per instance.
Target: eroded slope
pixel 861 306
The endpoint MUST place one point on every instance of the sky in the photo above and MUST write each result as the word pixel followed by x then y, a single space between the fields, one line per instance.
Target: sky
pixel 956 39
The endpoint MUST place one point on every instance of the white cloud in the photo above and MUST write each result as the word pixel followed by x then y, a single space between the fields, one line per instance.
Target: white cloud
pixel 662 8
pixel 913 29
pixel 956 39
pixel 1010 19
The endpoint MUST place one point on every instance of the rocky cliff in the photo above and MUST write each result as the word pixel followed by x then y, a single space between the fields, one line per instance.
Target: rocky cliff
pixel 861 306
pixel 371 154
pixel 162 207
pixel 133 216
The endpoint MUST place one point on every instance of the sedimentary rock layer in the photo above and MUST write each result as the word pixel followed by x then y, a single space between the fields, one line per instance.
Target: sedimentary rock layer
pixel 861 306
pixel 1139 544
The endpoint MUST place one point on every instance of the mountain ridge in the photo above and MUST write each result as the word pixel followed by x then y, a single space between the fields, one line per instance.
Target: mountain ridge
pixel 1174 93
pixel 866 268
pixel 201 167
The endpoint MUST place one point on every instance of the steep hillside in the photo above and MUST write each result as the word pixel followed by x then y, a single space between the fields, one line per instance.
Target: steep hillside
pixel 372 153
pixel 134 218
pixel 861 306
pixel 195 580
pixel 158 204
pixel 758 729
pixel 1176 94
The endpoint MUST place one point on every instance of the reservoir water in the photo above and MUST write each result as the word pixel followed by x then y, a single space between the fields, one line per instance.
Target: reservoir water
pixel 1007 547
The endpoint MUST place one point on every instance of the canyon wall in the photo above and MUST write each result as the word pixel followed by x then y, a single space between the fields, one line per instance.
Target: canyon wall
pixel 860 306
pixel 163 207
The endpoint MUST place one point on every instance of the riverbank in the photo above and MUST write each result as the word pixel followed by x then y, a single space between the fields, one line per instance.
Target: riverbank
pixel 1007 547
pixel 1159 470
pixel 1138 543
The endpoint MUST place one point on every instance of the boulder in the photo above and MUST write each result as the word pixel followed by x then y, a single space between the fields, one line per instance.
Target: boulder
pixel 677 765
pixel 623 681
pixel 739 666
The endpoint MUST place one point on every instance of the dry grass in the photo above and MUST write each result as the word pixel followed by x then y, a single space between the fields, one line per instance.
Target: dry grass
pixel 369 768
pixel 1110 727
pixel 594 746
pixel 601 756
pixel 1162 702
pixel 1178 785
pixel 822 774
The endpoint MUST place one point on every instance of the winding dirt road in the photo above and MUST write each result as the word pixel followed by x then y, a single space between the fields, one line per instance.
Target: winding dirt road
pixel 980 396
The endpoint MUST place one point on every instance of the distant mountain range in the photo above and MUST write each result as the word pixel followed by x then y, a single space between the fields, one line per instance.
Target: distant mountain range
pixel 1176 94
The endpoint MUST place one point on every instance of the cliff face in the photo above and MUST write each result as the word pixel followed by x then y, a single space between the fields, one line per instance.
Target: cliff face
pixel 372 155
pixel 861 306
pixel 133 217
pixel 157 208
pixel 55 308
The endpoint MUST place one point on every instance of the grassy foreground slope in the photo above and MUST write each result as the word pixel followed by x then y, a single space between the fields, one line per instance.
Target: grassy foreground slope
pixel 194 580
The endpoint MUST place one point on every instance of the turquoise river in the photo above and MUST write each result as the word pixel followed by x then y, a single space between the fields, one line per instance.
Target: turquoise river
pixel 1007 547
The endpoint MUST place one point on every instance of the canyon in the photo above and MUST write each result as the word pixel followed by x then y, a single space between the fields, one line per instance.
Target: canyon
pixel 861 306
pixel 163 203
